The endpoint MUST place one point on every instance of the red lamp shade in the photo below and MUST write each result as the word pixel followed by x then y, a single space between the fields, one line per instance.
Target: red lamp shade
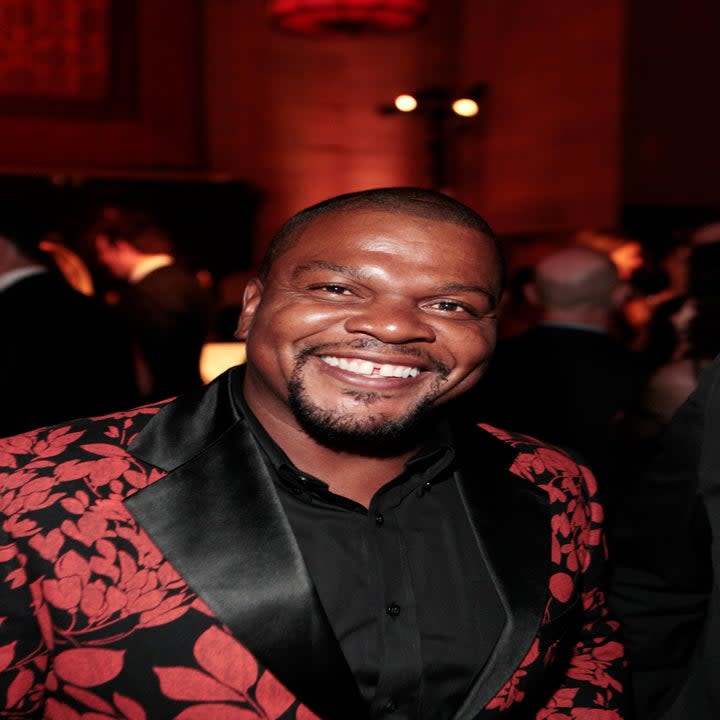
pixel 309 16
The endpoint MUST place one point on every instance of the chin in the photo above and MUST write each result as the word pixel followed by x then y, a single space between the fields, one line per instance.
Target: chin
pixel 361 431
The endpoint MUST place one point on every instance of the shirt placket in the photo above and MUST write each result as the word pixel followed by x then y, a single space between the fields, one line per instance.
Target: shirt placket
pixel 397 693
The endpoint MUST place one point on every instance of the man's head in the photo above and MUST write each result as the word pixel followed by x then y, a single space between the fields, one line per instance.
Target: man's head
pixel 577 284
pixel 372 308
pixel 122 239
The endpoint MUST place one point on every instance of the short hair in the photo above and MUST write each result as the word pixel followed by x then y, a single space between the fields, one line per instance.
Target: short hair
pixel 576 276
pixel 137 228
pixel 419 202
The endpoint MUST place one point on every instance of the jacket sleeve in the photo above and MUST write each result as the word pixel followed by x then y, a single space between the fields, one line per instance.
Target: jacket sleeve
pixel 576 667
pixel 594 679
pixel 23 650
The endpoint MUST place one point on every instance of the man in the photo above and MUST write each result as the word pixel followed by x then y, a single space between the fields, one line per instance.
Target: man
pixel 665 578
pixel 314 535
pixel 164 308
pixel 62 356
pixel 567 380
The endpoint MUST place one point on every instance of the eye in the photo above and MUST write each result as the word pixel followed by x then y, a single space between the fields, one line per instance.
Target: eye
pixel 333 289
pixel 452 307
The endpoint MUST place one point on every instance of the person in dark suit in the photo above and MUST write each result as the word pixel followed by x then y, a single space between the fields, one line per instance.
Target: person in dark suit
pixel 316 534
pixel 665 576
pixel 164 308
pixel 62 353
pixel 567 380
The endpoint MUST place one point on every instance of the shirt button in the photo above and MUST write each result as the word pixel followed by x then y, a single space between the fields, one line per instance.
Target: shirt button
pixel 390 706
pixel 393 609
pixel 379 519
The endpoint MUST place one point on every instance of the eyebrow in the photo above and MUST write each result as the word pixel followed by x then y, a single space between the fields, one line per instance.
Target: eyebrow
pixel 359 274
pixel 324 265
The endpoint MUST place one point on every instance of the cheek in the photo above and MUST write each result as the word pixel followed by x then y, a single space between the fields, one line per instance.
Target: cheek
pixel 290 327
pixel 472 346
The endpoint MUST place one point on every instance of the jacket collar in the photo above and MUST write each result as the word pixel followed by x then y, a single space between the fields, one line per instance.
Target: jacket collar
pixel 264 594
pixel 261 590
pixel 511 520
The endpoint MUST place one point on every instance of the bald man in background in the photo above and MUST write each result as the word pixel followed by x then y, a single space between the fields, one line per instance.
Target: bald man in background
pixel 567 380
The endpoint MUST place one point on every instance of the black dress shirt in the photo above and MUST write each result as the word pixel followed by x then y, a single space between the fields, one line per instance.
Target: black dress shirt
pixel 402 582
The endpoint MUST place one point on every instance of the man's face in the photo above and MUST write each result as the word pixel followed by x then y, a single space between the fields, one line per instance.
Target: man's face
pixel 369 320
pixel 114 257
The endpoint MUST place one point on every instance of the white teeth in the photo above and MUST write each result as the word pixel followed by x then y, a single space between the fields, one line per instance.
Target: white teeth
pixel 365 367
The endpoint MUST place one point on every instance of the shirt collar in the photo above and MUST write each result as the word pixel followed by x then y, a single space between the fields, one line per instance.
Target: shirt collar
pixel 15 276
pixel 429 462
pixel 148 265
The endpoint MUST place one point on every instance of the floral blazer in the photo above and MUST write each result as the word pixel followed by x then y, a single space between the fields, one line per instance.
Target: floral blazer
pixel 147 572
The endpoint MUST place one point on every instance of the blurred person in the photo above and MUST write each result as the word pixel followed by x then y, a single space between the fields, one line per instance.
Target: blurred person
pixel 694 319
pixel 63 354
pixel 567 380
pixel 666 575
pixel 696 325
pixel 164 308
pixel 317 533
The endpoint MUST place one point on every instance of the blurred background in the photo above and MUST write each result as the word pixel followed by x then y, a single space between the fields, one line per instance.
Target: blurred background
pixel 220 118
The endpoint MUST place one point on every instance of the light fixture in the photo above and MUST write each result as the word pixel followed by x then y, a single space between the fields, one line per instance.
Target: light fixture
pixel 465 107
pixel 442 111
pixel 312 16
pixel 405 103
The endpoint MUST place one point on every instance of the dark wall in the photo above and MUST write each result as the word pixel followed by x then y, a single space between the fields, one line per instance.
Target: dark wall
pixel 671 156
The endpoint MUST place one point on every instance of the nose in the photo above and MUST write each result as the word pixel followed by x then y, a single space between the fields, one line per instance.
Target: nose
pixel 391 320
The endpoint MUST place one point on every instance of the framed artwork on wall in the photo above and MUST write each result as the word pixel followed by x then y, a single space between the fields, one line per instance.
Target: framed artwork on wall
pixel 68 57
pixel 111 84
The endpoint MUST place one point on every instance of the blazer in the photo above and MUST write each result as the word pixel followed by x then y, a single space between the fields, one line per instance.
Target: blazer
pixel 148 571
pixel 666 568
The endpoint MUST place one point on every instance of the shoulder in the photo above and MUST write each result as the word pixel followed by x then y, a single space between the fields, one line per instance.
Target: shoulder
pixel 90 450
pixel 550 468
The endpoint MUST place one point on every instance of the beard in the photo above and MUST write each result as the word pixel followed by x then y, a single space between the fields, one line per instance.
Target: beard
pixel 375 434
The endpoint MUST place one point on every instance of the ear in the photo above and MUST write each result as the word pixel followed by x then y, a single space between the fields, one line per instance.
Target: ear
pixel 621 294
pixel 252 296
pixel 531 293
pixel 102 242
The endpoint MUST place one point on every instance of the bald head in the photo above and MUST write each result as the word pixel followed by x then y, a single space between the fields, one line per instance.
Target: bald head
pixel 576 280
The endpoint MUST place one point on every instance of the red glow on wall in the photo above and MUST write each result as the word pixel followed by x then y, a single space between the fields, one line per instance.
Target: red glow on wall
pixel 309 16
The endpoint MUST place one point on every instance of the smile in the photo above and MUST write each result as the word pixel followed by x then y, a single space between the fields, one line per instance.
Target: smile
pixel 370 369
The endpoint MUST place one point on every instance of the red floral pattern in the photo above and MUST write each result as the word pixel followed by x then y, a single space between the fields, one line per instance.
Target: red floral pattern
pixel 593 683
pixel 97 582
pixel 101 595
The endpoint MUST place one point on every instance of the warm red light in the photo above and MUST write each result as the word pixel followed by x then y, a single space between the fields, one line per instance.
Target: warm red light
pixel 310 16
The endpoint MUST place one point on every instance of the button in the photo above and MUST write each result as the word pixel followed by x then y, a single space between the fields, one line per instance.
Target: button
pixel 379 519
pixel 390 706
pixel 393 609
pixel 428 486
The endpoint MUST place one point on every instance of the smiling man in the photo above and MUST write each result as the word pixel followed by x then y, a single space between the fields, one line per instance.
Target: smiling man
pixel 319 533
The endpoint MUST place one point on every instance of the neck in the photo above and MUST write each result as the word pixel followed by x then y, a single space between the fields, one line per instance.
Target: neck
pixel 353 475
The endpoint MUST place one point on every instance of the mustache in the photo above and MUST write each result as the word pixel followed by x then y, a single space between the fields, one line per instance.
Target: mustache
pixel 376 345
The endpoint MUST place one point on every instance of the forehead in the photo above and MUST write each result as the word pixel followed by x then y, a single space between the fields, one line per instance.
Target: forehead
pixel 360 236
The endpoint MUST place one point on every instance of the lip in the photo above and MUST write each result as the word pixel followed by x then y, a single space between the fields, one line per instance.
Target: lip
pixel 375 381
pixel 380 358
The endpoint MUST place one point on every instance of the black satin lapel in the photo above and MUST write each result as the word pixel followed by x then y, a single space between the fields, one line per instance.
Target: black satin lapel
pixel 510 516
pixel 188 424
pixel 219 521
